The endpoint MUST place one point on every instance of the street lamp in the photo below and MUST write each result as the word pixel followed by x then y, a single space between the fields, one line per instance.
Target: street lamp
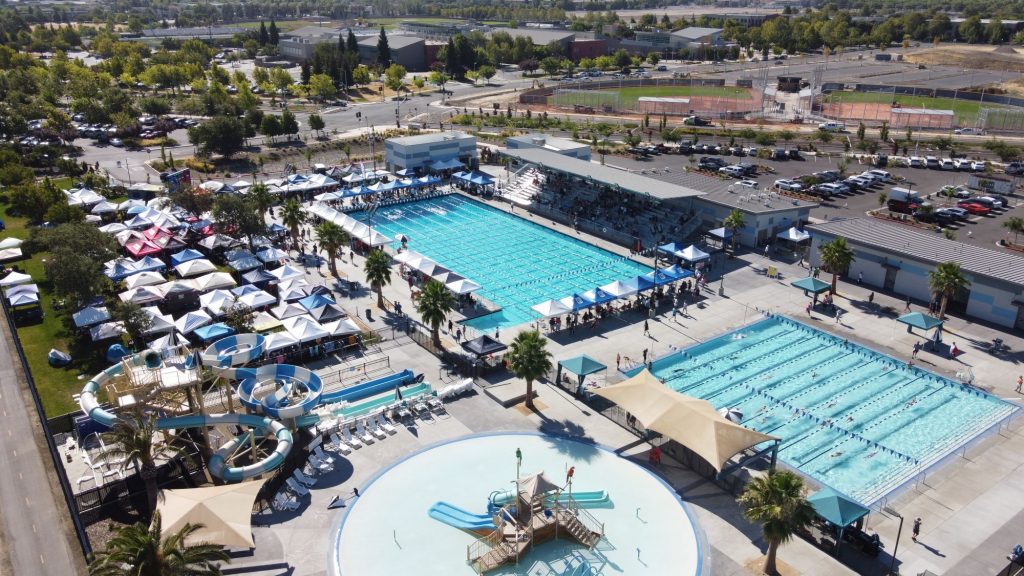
pixel 891 512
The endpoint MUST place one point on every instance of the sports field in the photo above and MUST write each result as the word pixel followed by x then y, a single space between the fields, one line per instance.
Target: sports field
pixel 629 96
pixel 966 111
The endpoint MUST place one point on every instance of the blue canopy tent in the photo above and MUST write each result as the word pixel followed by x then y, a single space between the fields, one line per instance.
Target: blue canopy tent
pixel 406 172
pixel 598 296
pixel 839 510
pixel 576 302
pixel 678 272
pixel 186 255
pixel 258 276
pixel 659 277
pixel 357 191
pixel 581 366
pixel 315 301
pixel 428 180
pixel 450 164
pixel 670 248
pixel 638 284
pixel 920 320
pixel 812 285
pixel 214 331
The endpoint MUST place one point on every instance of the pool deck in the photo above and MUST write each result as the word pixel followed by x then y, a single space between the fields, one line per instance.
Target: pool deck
pixel 972 507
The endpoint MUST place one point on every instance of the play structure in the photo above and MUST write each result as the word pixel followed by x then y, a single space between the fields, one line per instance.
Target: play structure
pixel 536 511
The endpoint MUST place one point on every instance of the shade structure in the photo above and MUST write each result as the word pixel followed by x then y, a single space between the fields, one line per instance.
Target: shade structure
pixel 139 247
pixel 326 312
pixel 670 248
pixel 404 257
pixel 194 268
pixel 446 277
pixel 169 243
pixel 113 228
pixel 582 365
pixel 429 267
pixel 278 340
pixel 660 277
pixel 692 422
pixel 257 276
pixel 272 254
pixel 731 414
pixel 576 302
pixel 169 340
pixel 285 272
pixel 213 281
pixel 285 311
pixel 449 164
pixel 837 508
pixel 618 289
pixel 217 302
pixel 142 295
pixel 219 242
pixel 793 235
pixel 677 272
pixel 530 486
pixel 214 331
pixel 304 328
pixel 15 277
pixel 341 327
pixel 293 284
pixel 224 511
pixel 692 254
pixel 292 294
pixel 463 286
pixel 10 243
pixel 598 296
pixel 185 256
pixel 375 239
pixel 315 301
pixel 9 254
pixel 106 331
pixel 90 316
pixel 23 298
pixel 550 308
pixel 638 284
pixel 160 323
pixel 149 278
pixel 256 299
pixel 192 321
pixel 238 253
pixel 244 264
pixel 919 320
pixel 264 321
pixel 812 285
pixel 721 233
pixel 483 346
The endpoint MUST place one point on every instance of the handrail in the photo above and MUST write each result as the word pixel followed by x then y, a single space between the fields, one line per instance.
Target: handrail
pixel 585 518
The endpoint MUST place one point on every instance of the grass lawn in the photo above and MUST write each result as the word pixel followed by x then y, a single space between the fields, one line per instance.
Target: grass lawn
pixel 55 385
pixel 966 111
pixel 628 96
pixel 284 25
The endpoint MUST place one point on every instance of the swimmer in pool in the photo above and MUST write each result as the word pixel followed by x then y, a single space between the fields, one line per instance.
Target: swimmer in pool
pixel 837 454
pixel 850 418
pixel 871 455
pixel 832 403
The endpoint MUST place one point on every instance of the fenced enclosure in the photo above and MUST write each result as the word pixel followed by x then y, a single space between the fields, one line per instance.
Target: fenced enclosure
pixel 1000 119
pixel 593 99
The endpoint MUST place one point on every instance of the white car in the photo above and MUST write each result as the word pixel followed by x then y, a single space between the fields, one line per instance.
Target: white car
pixel 790 185
pixel 734 171
pixel 966 131
pixel 752 184
pixel 916 162
pixel 977 166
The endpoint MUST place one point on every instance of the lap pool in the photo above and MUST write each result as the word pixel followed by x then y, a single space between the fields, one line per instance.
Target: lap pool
pixel 387 530
pixel 851 418
pixel 517 263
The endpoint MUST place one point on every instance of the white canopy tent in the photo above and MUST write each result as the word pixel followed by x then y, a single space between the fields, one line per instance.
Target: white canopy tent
pixel 142 295
pixel 278 340
pixel 214 281
pixel 90 316
pixel 794 235
pixel 10 243
pixel 618 289
pixel 550 308
pixel 304 328
pixel 195 268
pixel 148 278
pixel 692 254
pixel 15 277
pixel 192 321
pixel 341 327
pixel 106 331
pixel 463 286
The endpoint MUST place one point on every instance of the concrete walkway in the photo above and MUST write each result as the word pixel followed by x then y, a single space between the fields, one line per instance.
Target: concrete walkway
pixel 36 536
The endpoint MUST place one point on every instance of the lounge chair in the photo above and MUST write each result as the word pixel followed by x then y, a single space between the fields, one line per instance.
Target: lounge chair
pixel 386 425
pixel 323 456
pixel 339 445
pixel 296 487
pixel 284 502
pixel 318 464
pixel 371 425
pixel 363 434
pixel 434 404
pixel 302 477
pixel 351 440
pixel 85 479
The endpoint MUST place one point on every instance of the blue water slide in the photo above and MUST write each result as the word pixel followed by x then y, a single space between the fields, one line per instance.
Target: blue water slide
pixel 280 403
pixel 592 499
pixel 370 387
pixel 458 518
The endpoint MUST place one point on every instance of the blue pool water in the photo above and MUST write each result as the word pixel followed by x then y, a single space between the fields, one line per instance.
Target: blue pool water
pixel 852 418
pixel 517 263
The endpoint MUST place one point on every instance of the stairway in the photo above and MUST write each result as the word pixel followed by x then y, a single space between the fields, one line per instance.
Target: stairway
pixel 581 533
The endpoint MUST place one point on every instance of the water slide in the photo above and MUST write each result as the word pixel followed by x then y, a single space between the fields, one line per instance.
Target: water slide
pixel 593 499
pixel 458 518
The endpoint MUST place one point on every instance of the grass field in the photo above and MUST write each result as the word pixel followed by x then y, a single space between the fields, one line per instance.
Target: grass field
pixel 966 111
pixel 629 96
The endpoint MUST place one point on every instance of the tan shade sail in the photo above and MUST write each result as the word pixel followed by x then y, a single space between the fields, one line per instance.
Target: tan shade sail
pixel 692 422
pixel 224 512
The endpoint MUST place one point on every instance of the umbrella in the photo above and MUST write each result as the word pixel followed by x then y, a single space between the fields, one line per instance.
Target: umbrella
pixel 732 414
pixel 550 308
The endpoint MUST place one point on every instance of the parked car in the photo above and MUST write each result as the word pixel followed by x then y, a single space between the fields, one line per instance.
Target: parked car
pixel 790 185
pixel 973 207
pixel 916 162
pixel 748 168
pixel 956 213
pixel 751 184
pixel 977 166
pixel 710 163
pixel 116 142
pixel 946 164
pixel 734 171
pixel 931 162
pixel 881 175
pixel 832 126
pixel 962 164
pixel 990 202
pixel 857 183
pixel 958 191
pixel 1015 168
pixel 827 175
pixel 966 131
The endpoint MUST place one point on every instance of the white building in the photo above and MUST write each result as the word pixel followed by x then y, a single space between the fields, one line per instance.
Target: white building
pixel 423 150
pixel 562 146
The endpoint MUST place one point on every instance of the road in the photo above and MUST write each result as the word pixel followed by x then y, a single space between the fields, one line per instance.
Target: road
pixel 34 522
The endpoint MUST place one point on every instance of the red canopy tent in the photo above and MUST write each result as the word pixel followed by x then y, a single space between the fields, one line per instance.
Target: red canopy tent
pixel 139 248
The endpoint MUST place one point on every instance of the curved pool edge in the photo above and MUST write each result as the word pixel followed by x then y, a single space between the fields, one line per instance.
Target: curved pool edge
pixel 334 567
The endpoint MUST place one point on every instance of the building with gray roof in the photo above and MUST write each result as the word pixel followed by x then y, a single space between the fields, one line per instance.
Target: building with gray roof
pixel 898 258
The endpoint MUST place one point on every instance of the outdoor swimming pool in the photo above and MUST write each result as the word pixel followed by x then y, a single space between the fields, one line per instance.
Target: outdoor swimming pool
pixel 517 263
pixel 852 418
pixel 388 529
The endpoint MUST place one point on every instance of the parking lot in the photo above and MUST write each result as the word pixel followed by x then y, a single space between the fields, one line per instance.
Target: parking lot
pixel 977 230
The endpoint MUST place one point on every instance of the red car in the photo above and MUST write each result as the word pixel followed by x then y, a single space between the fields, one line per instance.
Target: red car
pixel 973 208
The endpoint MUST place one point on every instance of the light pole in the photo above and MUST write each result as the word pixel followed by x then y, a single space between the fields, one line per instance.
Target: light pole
pixel 890 511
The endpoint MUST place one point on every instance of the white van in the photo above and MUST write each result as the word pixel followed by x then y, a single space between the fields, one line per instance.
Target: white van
pixel 882 175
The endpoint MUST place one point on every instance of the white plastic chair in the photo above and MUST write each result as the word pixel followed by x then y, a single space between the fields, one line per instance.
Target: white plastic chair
pixel 350 439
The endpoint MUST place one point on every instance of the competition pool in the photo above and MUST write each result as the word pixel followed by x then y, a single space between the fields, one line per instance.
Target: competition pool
pixel 851 418
pixel 517 263
pixel 387 530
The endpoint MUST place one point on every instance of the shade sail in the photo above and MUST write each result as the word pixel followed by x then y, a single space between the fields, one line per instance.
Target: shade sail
pixel 692 422
pixel 224 511
pixel 920 320
pixel 811 284
pixel 483 346
pixel 582 365
pixel 836 508
pixel 793 235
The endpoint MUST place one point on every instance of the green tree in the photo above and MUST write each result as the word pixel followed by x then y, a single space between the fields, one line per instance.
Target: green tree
pixel 777 503
pixel 222 135
pixel 134 319
pixel 289 125
pixel 971 30
pixel 528 358
pixel 383 50
pixel 361 75
pixel 261 199
pixel 883 132
pixel 947 279
pixel 273 35
pixel 734 222
pixel 551 65
pixel 653 58
pixel 316 123
pixel 77 253
pixel 240 317
pixel 194 200
pixel 994 32
pixel 434 304
pixel 378 273
pixel 486 72
pixel 836 256
pixel 394 78
pixel 332 238
pixel 270 126
pixel 238 215
pixel 264 37
pixel 321 87
pixel 132 440
pixel 860 131
pixel 439 78
pixel 293 216
pixel 304 72
pixel 1014 224
pixel 138 550
pixel 33 200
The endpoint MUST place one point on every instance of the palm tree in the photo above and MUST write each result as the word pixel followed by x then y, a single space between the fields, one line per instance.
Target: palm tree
pixel 777 503
pixel 132 440
pixel 836 256
pixel 293 216
pixel 734 222
pixel 529 359
pixel 1014 224
pixel 947 279
pixel 261 198
pixel 139 550
pixel 378 273
pixel 434 305
pixel 332 237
